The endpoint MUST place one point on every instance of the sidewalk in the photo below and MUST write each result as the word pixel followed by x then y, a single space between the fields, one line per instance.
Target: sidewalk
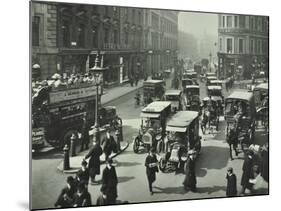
pixel 116 92
pixel 75 162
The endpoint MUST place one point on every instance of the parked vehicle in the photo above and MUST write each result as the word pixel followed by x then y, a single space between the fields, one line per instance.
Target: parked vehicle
pixel 210 78
pixel 240 114
pixel 185 82
pixel 192 97
pixel 182 136
pixel 175 97
pixel 216 91
pixel 153 126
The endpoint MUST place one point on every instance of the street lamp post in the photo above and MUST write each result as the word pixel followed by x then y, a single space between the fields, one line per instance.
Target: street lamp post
pixel 97 76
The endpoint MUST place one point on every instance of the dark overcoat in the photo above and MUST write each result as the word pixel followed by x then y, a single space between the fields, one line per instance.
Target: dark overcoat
pixel 109 145
pixel 190 177
pixel 83 176
pixel 109 182
pixel 94 162
pixel 231 188
pixel 65 198
pixel 151 171
pixel 247 172
pixel 83 200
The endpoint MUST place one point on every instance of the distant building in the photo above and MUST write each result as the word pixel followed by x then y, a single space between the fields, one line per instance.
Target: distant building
pixel 242 44
pixel 67 37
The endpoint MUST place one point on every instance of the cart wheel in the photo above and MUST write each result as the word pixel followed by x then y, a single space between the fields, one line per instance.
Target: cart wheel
pixel 136 145
pixel 162 164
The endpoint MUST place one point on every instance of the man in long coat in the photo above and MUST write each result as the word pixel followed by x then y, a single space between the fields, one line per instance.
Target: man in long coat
pixel 109 145
pixel 232 140
pixel 151 168
pixel 190 177
pixel 231 188
pixel 247 172
pixel 94 162
pixel 109 183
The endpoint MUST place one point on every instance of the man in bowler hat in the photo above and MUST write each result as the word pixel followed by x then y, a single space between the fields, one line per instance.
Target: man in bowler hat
pixel 151 164
pixel 231 188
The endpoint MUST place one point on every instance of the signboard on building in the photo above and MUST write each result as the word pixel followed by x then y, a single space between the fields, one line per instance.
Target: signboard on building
pixel 71 94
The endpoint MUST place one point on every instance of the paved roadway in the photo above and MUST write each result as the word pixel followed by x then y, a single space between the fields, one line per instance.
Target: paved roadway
pixel 210 168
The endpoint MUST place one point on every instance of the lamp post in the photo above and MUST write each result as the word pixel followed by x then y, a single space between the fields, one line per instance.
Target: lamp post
pixel 97 76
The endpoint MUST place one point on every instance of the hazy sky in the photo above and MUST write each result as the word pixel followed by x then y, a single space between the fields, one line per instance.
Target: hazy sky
pixel 197 23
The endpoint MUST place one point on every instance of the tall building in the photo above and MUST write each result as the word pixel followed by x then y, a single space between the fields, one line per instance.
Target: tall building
pixel 242 44
pixel 66 38
pixel 160 39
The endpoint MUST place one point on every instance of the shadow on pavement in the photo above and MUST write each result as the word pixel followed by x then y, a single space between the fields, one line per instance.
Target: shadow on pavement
pixel 170 190
pixel 127 164
pixel 201 172
pixel 54 154
pixel 213 157
pixel 210 190
pixel 124 179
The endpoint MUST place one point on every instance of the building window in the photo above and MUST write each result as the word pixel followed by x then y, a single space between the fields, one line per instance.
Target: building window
pixel 220 21
pixel 229 21
pixel 35 30
pixel 133 15
pixel 139 17
pixel 242 21
pixel 81 35
pixel 235 21
pixel 220 44
pixel 106 36
pixel 241 46
pixel 115 37
pixel 251 22
pixel 252 46
pixel 66 34
pixel 223 21
pixel 95 37
pixel 256 23
pixel 258 46
pixel 106 11
pixel 229 46
pixel 126 38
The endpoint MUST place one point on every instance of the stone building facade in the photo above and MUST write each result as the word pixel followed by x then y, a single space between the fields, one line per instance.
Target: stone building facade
pixel 129 41
pixel 242 44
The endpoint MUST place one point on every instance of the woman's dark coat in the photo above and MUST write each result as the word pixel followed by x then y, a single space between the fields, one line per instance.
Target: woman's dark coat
pixel 231 188
pixel 94 162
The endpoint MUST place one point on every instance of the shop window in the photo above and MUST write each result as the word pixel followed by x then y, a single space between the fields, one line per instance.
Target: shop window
pixel 35 30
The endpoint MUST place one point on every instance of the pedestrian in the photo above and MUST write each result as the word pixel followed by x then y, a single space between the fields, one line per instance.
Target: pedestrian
pixel 131 80
pixel 136 79
pixel 190 176
pixel 231 187
pixel 85 135
pixel 247 174
pixel 82 198
pixel 265 162
pixel 94 162
pixel 151 164
pixel 232 140
pixel 109 144
pixel 83 175
pixel 66 196
pixel 109 182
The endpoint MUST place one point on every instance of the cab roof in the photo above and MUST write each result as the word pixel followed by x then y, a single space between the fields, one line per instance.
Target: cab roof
pixel 241 95
pixel 216 81
pixel 214 87
pixel 153 81
pixel 182 118
pixel 192 86
pixel 156 107
pixel 263 86
pixel 211 77
pixel 173 92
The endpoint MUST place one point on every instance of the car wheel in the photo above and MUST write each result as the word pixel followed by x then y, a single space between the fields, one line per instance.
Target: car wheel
pixel 136 145
pixel 162 164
